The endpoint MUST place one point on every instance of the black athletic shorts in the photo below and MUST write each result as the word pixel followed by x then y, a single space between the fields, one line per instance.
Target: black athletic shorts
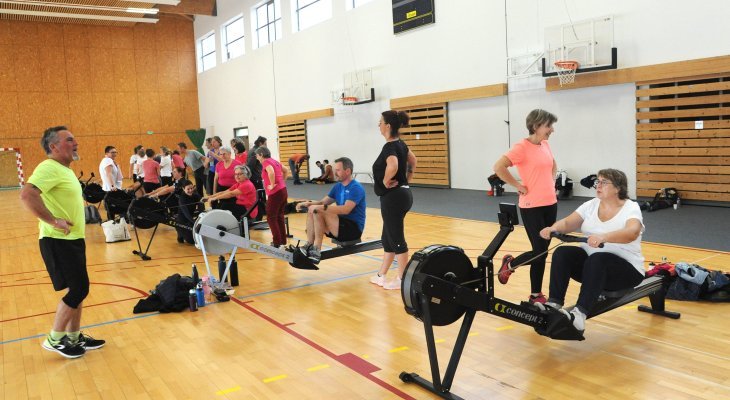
pixel 348 230
pixel 65 261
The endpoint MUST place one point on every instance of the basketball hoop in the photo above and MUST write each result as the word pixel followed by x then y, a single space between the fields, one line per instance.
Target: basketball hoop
pixel 349 100
pixel 566 71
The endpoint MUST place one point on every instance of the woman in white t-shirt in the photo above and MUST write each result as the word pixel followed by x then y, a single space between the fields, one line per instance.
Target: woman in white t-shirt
pixel 165 166
pixel 612 219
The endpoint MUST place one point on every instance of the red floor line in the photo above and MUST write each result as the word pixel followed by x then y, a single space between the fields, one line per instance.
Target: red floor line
pixel 26 272
pixel 140 291
pixel 344 359
pixel 53 312
pixel 24 279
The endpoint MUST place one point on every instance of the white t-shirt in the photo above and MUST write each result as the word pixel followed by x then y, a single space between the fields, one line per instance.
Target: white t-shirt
pixel 592 225
pixel 165 165
pixel 116 174
pixel 138 166
pixel 133 162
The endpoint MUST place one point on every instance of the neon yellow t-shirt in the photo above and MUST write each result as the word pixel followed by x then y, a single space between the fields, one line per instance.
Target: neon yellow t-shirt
pixel 61 193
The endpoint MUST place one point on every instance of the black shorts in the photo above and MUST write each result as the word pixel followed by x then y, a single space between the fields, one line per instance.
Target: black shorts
pixel 65 262
pixel 348 230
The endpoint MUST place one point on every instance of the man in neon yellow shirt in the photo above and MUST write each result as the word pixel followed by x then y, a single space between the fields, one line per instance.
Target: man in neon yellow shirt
pixel 53 195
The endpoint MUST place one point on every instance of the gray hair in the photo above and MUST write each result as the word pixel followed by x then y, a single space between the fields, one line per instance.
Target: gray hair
pixel 225 149
pixel 50 136
pixel 264 152
pixel 346 163
pixel 244 170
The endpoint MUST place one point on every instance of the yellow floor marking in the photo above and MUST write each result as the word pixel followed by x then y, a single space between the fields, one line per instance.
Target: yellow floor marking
pixel 440 340
pixel 504 328
pixel 275 378
pixel 473 334
pixel 231 390
pixel 365 356
pixel 397 349
pixel 318 367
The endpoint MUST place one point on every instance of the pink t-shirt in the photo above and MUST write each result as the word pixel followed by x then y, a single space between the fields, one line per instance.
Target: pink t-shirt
pixel 247 197
pixel 177 161
pixel 534 163
pixel 225 175
pixel 151 170
pixel 278 176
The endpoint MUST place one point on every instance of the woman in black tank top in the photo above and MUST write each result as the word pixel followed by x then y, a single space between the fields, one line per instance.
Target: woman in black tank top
pixel 392 171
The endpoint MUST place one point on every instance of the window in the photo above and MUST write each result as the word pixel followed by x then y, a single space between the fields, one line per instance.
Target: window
pixel 310 12
pixel 206 52
pixel 232 38
pixel 268 22
pixel 355 3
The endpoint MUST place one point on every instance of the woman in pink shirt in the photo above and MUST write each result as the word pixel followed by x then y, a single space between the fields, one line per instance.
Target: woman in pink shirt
pixel 224 177
pixel 243 192
pixel 151 169
pixel 273 175
pixel 538 202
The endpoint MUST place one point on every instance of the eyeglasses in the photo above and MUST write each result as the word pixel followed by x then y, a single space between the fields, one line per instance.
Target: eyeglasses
pixel 601 182
pixel 238 174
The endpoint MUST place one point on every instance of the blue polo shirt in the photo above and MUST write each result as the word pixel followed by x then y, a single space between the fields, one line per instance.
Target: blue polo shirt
pixel 354 192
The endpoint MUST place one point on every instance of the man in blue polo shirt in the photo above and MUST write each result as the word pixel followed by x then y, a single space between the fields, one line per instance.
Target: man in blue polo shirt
pixel 339 215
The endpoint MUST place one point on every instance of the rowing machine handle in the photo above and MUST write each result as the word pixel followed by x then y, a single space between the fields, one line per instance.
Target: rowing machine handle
pixel 571 238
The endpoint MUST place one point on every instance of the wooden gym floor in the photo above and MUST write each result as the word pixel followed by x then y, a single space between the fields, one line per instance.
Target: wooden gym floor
pixel 330 334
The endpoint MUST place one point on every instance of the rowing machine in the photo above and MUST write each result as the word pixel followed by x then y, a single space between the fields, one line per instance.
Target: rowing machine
pixel 440 285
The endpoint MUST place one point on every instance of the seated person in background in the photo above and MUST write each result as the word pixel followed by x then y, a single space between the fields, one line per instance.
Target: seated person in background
pixel 612 219
pixel 339 215
pixel 190 207
pixel 169 193
pixel 328 176
pixel 243 191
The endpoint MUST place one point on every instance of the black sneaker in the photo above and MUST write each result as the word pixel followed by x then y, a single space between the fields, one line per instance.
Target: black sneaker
pixel 314 255
pixel 64 347
pixel 89 343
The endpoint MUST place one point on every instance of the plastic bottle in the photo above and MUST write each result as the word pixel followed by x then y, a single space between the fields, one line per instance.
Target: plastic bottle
pixel 200 295
pixel 234 273
pixel 195 275
pixel 222 268
pixel 205 280
pixel 193 300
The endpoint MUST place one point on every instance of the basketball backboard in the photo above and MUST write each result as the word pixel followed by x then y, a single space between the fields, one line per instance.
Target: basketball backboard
pixel 357 88
pixel 588 42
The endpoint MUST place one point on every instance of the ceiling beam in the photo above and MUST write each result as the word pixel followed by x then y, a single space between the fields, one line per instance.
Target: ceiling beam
pixel 78 16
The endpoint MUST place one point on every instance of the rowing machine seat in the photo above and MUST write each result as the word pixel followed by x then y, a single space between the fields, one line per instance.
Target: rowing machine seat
pixel 346 243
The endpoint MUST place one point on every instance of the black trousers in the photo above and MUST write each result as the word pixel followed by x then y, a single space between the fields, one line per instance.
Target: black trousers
pixel 394 205
pixel 597 272
pixel 534 220
pixel 199 180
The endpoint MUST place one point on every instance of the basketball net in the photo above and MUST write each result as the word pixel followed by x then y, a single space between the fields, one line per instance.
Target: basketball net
pixel 566 71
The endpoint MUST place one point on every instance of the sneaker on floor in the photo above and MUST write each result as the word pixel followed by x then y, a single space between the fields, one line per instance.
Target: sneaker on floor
pixel 395 284
pixel 89 343
pixel 64 347
pixel 504 270
pixel 378 280
pixel 540 298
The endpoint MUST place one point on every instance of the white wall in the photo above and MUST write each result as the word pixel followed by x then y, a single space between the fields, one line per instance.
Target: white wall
pixel 466 47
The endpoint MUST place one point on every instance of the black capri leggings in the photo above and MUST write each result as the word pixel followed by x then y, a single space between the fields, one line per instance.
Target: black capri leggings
pixel 66 264
pixel 534 220
pixel 394 205
pixel 598 272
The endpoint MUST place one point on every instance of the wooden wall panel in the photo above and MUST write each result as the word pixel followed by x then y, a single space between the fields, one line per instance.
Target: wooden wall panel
pixel 102 82
pixel 428 138
pixel 293 140
pixel 683 137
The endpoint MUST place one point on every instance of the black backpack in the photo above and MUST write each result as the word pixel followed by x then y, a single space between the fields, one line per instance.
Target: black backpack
pixel 91 213
pixel 170 295
pixel 665 198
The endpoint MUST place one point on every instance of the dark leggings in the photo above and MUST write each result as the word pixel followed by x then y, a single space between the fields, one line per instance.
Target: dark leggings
pixel 597 272
pixel 275 205
pixel 394 205
pixel 534 220
pixel 199 180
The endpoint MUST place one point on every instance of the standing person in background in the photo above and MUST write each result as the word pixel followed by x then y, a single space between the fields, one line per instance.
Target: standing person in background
pixel 274 177
pixel 224 175
pixel 195 161
pixel 53 195
pixel 111 175
pixel 141 157
pixel 392 171
pixel 295 164
pixel 133 163
pixel 538 203
pixel 214 157
pixel 255 167
pixel 241 154
pixel 151 170
pixel 165 166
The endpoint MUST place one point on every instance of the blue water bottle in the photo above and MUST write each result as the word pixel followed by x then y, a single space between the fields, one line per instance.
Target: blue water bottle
pixel 201 296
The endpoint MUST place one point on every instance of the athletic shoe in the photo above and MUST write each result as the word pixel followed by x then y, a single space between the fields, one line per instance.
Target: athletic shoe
pixel 304 249
pixel 64 347
pixel 314 255
pixel 540 298
pixel 505 271
pixel 548 305
pixel 378 280
pixel 89 343
pixel 395 284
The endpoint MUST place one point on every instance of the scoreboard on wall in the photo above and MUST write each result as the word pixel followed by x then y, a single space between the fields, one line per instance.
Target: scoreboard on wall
pixel 409 14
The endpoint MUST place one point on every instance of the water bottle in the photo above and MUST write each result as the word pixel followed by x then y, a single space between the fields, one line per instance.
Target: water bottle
pixel 193 300
pixel 234 273
pixel 195 275
pixel 222 268
pixel 199 295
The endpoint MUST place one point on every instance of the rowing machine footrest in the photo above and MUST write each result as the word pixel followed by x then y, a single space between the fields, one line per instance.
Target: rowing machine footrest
pixel 559 327
pixel 346 243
